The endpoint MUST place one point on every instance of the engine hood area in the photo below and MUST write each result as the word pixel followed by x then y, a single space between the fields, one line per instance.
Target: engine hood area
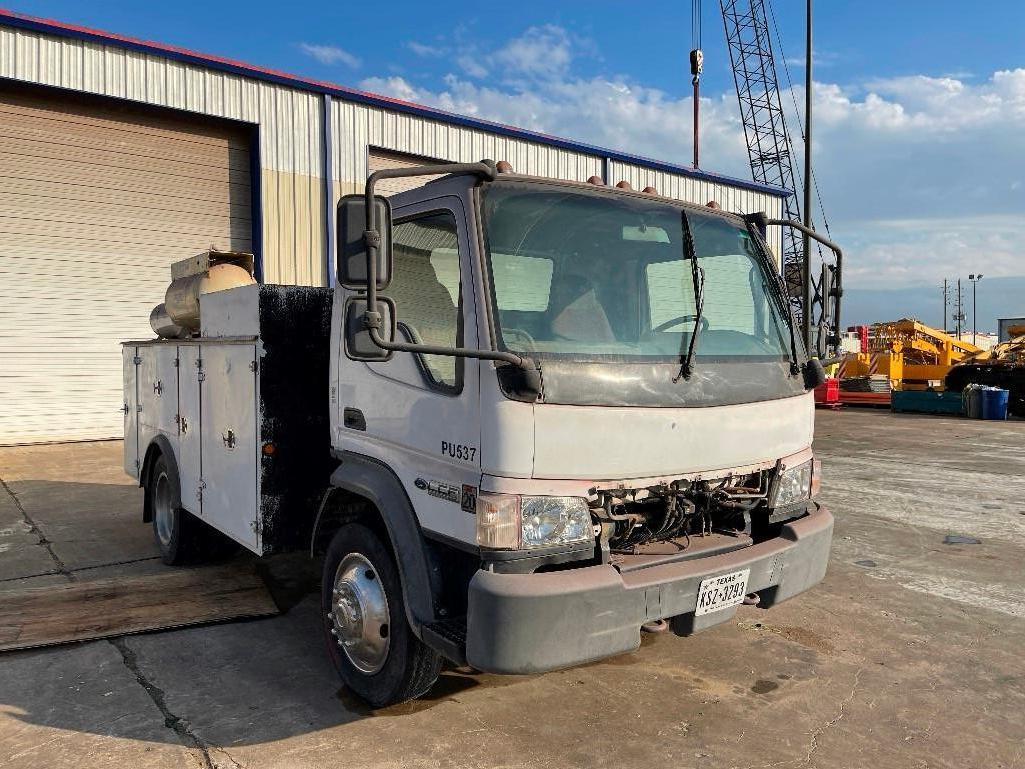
pixel 607 443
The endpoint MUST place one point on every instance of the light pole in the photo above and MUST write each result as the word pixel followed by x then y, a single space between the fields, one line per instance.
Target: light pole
pixel 975 315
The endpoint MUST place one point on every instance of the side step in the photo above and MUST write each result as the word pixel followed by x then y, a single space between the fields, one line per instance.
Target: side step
pixel 448 638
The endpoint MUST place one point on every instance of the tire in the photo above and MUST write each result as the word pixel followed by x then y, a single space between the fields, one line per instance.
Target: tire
pixel 377 657
pixel 177 531
pixel 182 537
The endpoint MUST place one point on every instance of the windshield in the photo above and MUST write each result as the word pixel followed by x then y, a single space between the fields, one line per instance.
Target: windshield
pixel 597 276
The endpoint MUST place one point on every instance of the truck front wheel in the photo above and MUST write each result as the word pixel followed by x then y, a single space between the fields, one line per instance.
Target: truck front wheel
pixel 368 638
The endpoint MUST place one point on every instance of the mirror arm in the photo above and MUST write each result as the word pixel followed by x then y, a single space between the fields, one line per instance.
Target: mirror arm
pixel 837 290
pixel 824 241
pixel 372 237
pixel 761 221
pixel 452 352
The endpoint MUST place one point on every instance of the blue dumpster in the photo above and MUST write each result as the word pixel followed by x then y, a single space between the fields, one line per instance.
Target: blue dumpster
pixel 994 403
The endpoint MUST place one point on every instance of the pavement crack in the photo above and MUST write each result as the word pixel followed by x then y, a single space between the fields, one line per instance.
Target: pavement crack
pixel 844 704
pixel 228 756
pixel 34 529
pixel 48 573
pixel 175 723
pixel 126 562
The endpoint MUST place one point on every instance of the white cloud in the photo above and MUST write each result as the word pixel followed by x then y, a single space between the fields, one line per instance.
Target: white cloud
pixel 472 65
pixel 330 54
pixel 922 177
pixel 823 59
pixel 424 50
pixel 544 52
pixel 895 252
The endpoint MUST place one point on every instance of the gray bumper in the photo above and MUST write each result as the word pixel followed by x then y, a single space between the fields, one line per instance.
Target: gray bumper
pixel 530 623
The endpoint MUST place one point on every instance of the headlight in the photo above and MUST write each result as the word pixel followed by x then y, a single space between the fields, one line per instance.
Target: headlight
pixel 510 522
pixel 795 484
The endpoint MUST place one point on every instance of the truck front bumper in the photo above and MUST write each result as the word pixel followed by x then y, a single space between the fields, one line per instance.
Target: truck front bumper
pixel 531 623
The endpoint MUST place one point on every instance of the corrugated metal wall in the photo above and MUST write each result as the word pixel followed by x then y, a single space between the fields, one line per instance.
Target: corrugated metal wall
pixel 357 127
pixel 289 120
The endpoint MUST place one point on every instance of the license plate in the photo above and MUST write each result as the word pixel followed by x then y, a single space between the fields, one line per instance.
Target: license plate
pixel 717 593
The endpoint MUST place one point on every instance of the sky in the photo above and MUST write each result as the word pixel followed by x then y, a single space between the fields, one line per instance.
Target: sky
pixel 920 106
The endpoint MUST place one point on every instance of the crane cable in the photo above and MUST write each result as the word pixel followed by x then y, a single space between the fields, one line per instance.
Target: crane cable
pixel 697 62
pixel 695 23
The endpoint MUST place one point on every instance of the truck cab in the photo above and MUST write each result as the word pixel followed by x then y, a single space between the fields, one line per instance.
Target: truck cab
pixel 592 405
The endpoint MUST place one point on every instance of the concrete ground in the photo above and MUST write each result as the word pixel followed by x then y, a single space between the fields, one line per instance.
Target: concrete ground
pixel 909 654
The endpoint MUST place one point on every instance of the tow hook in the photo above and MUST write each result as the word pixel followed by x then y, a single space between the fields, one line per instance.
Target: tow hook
pixel 655 626
pixel 751 599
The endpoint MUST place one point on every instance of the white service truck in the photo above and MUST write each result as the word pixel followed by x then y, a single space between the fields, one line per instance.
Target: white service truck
pixel 532 417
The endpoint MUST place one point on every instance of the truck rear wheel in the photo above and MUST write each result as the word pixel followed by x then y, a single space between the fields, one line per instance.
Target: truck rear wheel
pixel 368 638
pixel 175 529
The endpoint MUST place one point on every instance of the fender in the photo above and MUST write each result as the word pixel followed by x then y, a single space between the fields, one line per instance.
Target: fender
pixel 376 482
pixel 160 445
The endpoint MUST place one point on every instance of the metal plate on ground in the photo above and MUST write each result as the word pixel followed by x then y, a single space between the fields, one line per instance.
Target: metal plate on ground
pixel 83 611
pixel 717 593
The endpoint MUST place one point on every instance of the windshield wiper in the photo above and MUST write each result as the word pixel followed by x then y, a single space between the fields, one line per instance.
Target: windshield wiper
pixel 782 295
pixel 697 276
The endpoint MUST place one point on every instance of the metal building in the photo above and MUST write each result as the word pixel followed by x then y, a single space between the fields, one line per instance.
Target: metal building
pixel 1004 326
pixel 118 157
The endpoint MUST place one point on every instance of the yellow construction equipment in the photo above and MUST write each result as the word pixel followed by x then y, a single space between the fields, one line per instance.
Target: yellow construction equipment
pixel 1011 352
pixel 910 354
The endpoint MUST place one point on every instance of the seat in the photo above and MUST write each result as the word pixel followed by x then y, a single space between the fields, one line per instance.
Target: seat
pixel 426 307
pixel 575 311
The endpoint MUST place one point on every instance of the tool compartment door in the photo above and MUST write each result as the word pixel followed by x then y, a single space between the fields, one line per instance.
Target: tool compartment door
pixel 190 426
pixel 157 389
pixel 131 410
pixel 229 442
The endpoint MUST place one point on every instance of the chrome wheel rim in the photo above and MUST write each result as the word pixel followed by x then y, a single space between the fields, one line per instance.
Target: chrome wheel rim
pixel 163 515
pixel 359 613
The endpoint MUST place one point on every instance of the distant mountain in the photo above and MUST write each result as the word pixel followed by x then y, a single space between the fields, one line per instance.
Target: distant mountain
pixel 997 298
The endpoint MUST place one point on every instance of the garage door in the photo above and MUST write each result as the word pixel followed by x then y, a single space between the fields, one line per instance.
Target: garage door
pixel 96 201
pixel 380 159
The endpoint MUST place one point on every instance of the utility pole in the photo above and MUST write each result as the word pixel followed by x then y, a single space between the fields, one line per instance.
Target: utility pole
pixel 960 315
pixel 975 315
pixel 946 301
pixel 806 241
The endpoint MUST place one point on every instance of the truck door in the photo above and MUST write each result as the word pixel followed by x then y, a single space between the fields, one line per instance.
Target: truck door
pixel 420 414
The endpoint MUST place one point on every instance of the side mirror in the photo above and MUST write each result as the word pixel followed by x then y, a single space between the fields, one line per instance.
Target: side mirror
pixel 358 344
pixel 520 383
pixel 352 248
pixel 814 374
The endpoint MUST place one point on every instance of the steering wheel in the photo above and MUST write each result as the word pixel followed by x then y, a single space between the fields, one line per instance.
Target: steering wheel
pixel 523 336
pixel 681 319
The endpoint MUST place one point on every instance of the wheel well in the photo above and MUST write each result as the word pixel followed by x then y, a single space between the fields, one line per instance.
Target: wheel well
pixel 159 447
pixel 153 452
pixel 340 507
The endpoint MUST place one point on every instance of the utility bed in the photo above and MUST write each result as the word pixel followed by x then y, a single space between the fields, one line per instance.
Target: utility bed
pixel 243 409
